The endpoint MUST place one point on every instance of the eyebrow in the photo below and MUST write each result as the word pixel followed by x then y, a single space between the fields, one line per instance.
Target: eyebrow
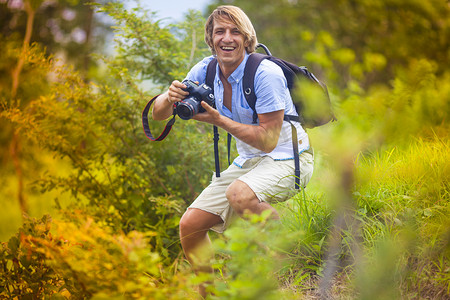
pixel 223 27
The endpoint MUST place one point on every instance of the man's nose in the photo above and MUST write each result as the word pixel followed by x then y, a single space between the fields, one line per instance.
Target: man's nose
pixel 227 37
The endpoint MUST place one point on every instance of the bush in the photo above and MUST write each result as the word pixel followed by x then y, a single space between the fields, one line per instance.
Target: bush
pixel 84 259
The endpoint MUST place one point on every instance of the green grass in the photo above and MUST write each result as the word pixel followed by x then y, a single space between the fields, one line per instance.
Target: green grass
pixel 401 208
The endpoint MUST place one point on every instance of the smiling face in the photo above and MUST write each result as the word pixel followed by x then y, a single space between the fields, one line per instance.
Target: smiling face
pixel 229 44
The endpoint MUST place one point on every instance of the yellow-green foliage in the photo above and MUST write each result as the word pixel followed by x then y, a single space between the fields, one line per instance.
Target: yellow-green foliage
pixel 118 238
pixel 83 259
pixel 420 170
pixel 403 194
pixel 251 253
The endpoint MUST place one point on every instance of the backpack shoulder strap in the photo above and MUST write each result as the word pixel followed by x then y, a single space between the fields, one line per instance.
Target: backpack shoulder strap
pixel 248 84
pixel 211 73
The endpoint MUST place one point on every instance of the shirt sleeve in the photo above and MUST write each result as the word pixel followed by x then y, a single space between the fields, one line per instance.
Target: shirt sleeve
pixel 270 88
pixel 198 72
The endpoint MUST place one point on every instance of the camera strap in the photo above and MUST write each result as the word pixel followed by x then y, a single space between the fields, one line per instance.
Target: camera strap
pixel 216 150
pixel 146 126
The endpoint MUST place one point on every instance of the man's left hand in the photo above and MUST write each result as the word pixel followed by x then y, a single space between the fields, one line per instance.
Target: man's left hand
pixel 211 115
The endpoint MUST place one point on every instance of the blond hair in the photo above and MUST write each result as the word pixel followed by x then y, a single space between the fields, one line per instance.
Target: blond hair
pixel 238 18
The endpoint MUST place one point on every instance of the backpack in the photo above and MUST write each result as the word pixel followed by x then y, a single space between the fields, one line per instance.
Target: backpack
pixel 294 76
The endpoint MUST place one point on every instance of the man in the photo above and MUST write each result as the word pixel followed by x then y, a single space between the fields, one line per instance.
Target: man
pixel 264 169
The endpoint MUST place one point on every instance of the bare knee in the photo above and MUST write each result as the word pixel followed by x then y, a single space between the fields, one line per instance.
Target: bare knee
pixel 233 196
pixel 189 225
pixel 240 196
pixel 195 222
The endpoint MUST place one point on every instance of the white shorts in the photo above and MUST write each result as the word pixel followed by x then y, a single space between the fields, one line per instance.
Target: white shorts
pixel 271 181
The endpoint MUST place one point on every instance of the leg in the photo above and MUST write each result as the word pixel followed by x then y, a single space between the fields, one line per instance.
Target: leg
pixel 242 198
pixel 194 226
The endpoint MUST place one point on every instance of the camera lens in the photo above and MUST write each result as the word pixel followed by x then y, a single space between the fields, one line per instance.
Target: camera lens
pixel 187 109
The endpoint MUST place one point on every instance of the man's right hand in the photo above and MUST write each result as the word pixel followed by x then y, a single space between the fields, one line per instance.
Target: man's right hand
pixel 163 106
pixel 176 92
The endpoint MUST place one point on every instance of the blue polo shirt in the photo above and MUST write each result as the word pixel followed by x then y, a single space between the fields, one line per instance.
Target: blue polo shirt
pixel 272 95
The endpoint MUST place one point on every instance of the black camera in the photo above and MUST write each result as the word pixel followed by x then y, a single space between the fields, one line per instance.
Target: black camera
pixel 190 106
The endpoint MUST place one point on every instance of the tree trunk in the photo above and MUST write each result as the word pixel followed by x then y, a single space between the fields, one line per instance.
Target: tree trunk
pixel 87 43
pixel 15 143
pixel 26 44
pixel 15 154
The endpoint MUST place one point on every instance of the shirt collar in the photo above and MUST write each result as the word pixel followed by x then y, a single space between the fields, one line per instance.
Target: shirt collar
pixel 238 74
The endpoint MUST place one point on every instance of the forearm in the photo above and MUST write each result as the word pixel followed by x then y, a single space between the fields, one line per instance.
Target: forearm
pixel 162 107
pixel 261 137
